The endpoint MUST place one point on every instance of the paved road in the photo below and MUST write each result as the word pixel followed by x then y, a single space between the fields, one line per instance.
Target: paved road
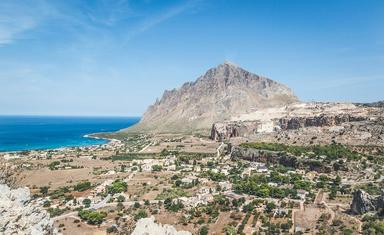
pixel 70 214
pixel 143 149
pixel 101 203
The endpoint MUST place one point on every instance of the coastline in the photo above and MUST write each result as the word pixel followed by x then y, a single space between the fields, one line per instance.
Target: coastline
pixel 64 148
pixel 24 134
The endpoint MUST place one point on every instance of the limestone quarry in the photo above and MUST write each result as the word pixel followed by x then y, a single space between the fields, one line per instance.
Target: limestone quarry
pixel 306 123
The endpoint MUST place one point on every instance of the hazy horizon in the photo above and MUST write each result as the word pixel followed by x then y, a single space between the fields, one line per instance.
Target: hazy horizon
pixel 114 58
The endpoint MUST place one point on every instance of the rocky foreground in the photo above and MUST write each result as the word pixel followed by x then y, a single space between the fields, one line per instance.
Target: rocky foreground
pixel 19 214
pixel 149 227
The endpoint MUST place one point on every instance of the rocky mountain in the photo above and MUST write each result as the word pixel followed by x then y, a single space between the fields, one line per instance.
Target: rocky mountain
pixel 221 93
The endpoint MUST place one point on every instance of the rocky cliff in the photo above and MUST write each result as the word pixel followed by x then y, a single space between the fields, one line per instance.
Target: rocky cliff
pixel 19 214
pixel 317 121
pixel 220 94
pixel 307 123
pixel 276 157
pixel 223 131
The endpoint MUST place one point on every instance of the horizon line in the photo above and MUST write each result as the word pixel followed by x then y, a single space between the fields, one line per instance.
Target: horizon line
pixel 68 115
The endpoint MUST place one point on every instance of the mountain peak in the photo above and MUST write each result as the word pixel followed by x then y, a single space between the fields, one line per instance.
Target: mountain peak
pixel 230 63
pixel 220 94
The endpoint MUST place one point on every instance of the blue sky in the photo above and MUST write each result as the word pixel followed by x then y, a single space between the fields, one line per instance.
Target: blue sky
pixel 79 57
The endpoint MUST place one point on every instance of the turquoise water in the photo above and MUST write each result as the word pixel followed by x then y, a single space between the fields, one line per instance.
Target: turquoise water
pixel 37 132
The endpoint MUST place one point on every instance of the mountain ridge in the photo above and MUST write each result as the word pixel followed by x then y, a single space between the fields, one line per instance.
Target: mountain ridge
pixel 219 94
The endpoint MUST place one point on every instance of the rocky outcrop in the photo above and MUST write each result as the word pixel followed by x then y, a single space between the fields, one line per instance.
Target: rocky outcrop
pixel 223 92
pixel 255 155
pixel 264 156
pixel 275 157
pixel 307 124
pixel 19 214
pixel 362 202
pixel 148 226
pixel 225 131
pixel 317 121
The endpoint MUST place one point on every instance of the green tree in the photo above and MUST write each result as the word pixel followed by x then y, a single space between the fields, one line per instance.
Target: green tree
pixel 118 186
pixel 203 230
pixel 270 207
pixel 230 230
pixel 136 205
pixel 82 186
pixel 120 198
pixel 119 206
pixel 87 202
pixel 140 214
pixel 44 190
pixel 157 168
pixel 92 217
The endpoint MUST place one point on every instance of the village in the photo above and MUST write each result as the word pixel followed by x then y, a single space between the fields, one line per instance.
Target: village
pixel 107 188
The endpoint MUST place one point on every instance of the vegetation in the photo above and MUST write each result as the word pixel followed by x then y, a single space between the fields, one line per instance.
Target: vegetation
pixel 373 225
pixel 157 168
pixel 53 165
pixel 92 217
pixel 140 214
pixel 214 176
pixel 371 188
pixel 203 230
pixel 44 190
pixel 332 151
pixel 130 156
pixel 171 194
pixel 55 211
pixel 59 193
pixel 87 202
pixel 173 206
pixel 118 186
pixel 82 186
pixel 258 185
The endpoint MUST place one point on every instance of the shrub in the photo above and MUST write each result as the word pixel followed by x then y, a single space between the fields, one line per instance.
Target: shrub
pixel 157 168
pixel 203 230
pixel 118 186
pixel 120 198
pixel 82 186
pixel 140 214
pixel 44 190
pixel 92 217
pixel 55 211
pixel 87 202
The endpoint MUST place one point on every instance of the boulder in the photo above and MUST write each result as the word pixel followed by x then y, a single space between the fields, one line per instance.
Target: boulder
pixel 149 227
pixel 362 202
pixel 19 214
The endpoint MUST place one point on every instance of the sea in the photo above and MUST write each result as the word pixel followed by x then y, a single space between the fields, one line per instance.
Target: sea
pixel 19 133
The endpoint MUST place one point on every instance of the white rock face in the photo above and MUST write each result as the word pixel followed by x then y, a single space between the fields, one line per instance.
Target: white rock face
pixel 147 226
pixel 21 215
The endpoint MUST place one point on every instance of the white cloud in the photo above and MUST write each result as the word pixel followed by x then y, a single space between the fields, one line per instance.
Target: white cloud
pixel 17 17
pixel 171 12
